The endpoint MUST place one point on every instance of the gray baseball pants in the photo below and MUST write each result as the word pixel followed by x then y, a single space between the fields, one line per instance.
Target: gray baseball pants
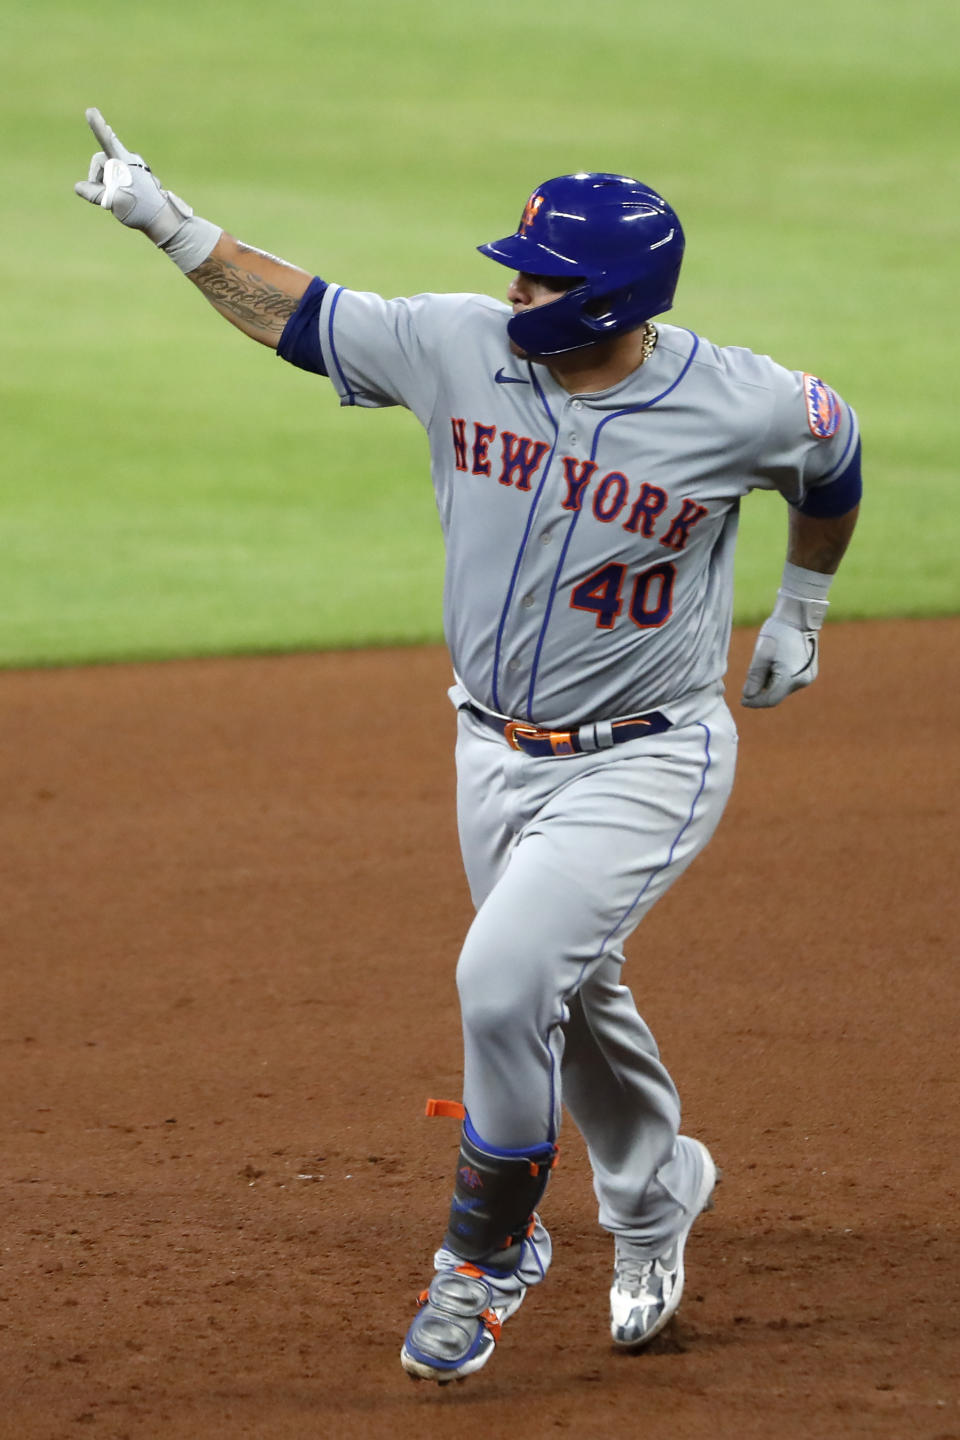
pixel 564 856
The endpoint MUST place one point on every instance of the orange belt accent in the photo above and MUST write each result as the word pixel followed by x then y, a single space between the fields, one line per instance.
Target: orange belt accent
pixel 448 1109
pixel 521 735
pixel 560 741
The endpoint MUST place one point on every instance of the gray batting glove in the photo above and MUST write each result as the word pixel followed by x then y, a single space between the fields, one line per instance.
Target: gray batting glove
pixel 786 652
pixel 122 182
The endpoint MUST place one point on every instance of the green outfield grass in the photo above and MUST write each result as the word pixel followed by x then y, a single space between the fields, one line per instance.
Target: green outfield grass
pixel 170 488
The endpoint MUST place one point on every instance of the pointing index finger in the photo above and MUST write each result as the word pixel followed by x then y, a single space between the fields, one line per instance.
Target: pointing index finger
pixel 109 142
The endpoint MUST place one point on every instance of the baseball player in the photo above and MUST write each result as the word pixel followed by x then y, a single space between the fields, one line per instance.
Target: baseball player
pixel 588 466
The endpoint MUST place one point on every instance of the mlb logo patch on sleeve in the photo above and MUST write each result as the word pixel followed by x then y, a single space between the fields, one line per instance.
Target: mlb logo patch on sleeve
pixel 823 407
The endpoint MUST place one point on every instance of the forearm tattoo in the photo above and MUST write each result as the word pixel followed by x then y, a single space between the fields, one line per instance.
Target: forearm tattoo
pixel 243 297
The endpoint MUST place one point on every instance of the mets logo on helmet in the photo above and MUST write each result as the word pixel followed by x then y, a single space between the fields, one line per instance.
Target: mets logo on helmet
pixel 823 407
pixel 530 212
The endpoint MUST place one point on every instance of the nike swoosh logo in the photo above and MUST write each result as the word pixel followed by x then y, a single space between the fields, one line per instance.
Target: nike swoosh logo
pixel 503 379
pixel 811 641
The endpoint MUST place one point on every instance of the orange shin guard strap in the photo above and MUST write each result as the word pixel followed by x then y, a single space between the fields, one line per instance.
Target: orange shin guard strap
pixel 449 1109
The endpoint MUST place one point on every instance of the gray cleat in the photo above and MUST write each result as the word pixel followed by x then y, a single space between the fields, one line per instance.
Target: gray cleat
pixel 456 1329
pixel 647 1288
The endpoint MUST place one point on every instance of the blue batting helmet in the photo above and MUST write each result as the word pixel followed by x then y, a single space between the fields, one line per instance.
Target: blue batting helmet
pixel 618 238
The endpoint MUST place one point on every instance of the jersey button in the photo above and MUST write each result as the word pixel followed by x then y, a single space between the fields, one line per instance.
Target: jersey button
pixel 513 666
pixel 577 405
pixel 527 601
pixel 546 538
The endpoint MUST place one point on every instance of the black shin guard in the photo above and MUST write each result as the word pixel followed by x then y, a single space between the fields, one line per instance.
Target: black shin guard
pixel 493 1202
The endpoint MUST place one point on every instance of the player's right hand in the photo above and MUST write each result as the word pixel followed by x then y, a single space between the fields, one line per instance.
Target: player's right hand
pixel 122 182
pixel 119 180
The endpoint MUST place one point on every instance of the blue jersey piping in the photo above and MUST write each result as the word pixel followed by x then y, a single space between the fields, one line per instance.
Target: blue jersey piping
pixel 624 917
pixel 523 543
pixel 846 448
pixel 838 496
pixel 350 395
pixel 614 415
pixel 679 836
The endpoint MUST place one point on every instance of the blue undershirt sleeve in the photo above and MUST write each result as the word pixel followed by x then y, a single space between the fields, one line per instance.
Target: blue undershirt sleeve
pixel 300 342
pixel 838 496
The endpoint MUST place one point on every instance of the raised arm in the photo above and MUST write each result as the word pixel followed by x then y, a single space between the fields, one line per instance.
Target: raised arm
pixel 252 289
pixel 255 291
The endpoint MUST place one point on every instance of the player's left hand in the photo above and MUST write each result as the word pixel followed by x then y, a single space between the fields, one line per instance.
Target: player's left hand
pixel 784 660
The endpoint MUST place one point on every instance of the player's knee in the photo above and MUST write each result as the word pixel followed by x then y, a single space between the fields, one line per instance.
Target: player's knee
pixel 487 1019
pixel 498 994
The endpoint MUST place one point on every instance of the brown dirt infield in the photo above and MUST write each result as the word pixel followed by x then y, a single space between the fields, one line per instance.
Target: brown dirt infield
pixel 232 901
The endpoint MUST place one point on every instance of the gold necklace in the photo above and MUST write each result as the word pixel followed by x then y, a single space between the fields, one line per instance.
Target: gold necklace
pixel 650 338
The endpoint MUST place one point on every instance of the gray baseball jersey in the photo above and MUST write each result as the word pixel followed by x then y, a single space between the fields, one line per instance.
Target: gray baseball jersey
pixel 589 578
pixel 589 537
